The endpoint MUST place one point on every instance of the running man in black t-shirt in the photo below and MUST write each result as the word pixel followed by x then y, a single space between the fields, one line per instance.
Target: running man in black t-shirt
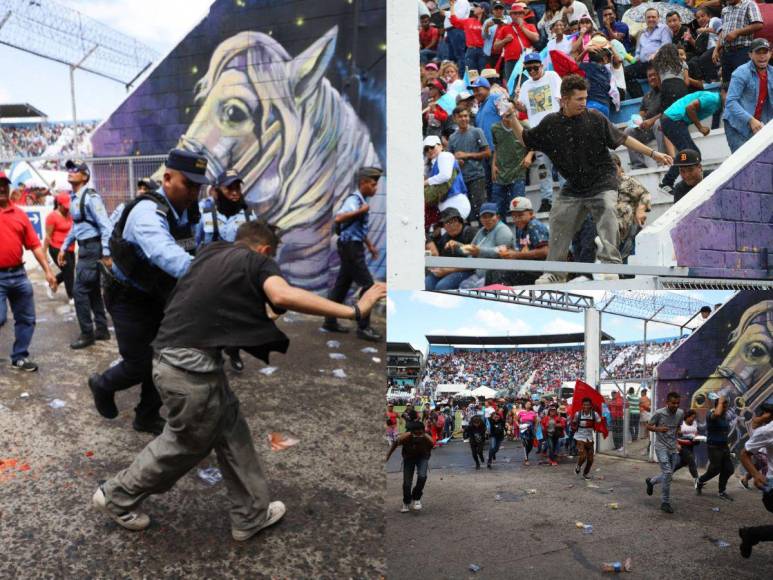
pixel 577 140
pixel 417 447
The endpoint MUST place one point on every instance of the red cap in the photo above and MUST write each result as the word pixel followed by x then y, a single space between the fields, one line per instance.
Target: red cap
pixel 63 199
pixel 4 176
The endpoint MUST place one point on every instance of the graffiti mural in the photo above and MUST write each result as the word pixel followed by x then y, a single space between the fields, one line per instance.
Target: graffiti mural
pixel 730 355
pixel 292 95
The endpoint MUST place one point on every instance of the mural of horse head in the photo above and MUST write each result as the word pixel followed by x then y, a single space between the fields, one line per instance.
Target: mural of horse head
pixel 295 139
pixel 745 377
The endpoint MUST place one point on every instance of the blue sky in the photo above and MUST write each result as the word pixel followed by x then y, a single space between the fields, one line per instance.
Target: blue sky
pixel 160 24
pixel 413 314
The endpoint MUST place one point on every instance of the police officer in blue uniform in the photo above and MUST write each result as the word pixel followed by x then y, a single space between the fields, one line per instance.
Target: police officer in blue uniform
pixel 152 245
pixel 221 215
pixel 91 229
pixel 352 228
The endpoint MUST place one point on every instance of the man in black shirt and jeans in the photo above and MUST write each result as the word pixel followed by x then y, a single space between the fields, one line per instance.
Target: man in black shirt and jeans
pixel 417 448
pixel 227 299
pixel 577 140
pixel 720 462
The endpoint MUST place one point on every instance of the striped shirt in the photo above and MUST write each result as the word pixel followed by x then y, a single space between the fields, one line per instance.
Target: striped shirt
pixel 736 17
pixel 633 404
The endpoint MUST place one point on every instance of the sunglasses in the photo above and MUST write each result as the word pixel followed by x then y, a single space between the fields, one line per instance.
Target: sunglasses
pixel 532 68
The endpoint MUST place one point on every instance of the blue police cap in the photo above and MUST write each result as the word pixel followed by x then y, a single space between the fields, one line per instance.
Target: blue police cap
pixel 227 178
pixel 191 165
pixel 77 166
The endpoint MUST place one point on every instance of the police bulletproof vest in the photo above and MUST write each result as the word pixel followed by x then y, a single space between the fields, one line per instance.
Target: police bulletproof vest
pixel 82 208
pixel 211 209
pixel 140 270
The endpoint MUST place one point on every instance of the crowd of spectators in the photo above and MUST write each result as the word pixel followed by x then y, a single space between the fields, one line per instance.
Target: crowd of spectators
pixel 42 139
pixel 544 370
pixel 492 72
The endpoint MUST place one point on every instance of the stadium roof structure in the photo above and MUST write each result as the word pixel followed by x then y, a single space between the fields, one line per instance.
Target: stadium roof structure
pixel 400 347
pixel 574 337
pixel 20 110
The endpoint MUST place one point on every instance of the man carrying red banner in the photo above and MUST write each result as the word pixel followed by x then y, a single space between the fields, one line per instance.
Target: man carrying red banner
pixel 584 422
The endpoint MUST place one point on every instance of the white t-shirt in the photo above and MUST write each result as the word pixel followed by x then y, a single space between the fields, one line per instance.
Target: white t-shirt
pixel 578 11
pixel 762 438
pixel 541 97
pixel 564 46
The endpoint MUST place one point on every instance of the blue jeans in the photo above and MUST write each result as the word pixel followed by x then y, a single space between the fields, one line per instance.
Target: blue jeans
pixel 419 466
pixel 734 138
pixel 16 288
pixel 527 439
pixel 456 47
pixel 426 55
pixel 668 462
pixel 554 442
pixel 678 132
pixel 503 194
pixel 600 107
pixel 448 282
pixel 494 444
pixel 475 59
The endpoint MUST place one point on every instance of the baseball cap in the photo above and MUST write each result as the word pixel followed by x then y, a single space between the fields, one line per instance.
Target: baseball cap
pixel 191 165
pixel 77 166
pixel 4 177
pixel 759 43
pixel 518 7
pixel 585 17
pixel 488 207
pixel 431 141
pixel 431 66
pixel 463 96
pixel 439 84
pixel 479 82
pixel 687 157
pixel 520 204
pixel 489 73
pixel 532 57
pixel 450 213
pixel 228 177
pixel 63 199
pixel 497 5
pixel 369 173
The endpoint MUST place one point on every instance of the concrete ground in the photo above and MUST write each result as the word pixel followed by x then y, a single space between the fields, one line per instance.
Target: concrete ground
pixel 520 522
pixel 52 460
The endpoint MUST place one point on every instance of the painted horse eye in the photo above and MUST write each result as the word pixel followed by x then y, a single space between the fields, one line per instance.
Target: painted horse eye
pixel 234 112
pixel 756 350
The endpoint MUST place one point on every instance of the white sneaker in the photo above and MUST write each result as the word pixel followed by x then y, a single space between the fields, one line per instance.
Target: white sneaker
pixel 71 302
pixel 405 509
pixel 276 510
pixel 134 521
pixel 417 506
pixel 551 278
pixel 49 292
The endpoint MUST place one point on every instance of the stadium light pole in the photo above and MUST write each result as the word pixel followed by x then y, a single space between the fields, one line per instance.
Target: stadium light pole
pixel 73 67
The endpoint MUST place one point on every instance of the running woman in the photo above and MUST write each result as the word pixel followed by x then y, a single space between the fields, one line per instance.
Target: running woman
pixel 553 426
pixel 417 449
pixel 583 425
pixel 476 431
pixel 527 425
pixel 391 423
pixel 497 432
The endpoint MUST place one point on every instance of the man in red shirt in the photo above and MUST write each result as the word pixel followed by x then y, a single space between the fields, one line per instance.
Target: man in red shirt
pixel 16 233
pixel 616 411
pixel 429 36
pixel 474 57
pixel 513 38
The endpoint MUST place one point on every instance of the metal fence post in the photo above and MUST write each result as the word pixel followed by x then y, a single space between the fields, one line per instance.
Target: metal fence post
pixel 130 189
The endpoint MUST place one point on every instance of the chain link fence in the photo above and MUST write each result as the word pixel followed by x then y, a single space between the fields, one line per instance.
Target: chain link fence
pixel 627 418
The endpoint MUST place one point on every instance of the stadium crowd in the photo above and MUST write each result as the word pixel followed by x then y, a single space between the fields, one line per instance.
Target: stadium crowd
pixel 41 139
pixel 501 82
pixel 543 369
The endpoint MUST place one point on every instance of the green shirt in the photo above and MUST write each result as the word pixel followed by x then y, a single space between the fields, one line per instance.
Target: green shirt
pixel 633 404
pixel 510 153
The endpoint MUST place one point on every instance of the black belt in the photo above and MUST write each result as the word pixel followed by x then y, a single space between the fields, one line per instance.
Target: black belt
pixel 13 268
pixel 90 240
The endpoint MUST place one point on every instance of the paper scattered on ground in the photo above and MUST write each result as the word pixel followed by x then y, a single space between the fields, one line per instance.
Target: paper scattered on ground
pixel 337 355
pixel 369 350
pixel 339 374
pixel 279 441
pixel 375 359
pixel 3 408
pixel 210 475
pixel 25 395
pixel 333 344
pixel 57 404
pixel 268 371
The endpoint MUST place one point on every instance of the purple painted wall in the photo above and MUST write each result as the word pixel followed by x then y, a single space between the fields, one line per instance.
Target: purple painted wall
pixel 731 235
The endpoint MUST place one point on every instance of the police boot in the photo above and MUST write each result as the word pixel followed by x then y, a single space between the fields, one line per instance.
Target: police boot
pixel 83 341
pixel 102 334
pixel 335 327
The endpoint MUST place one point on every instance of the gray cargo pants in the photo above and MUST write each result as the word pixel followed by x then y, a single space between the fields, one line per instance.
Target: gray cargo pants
pixel 203 415
pixel 567 215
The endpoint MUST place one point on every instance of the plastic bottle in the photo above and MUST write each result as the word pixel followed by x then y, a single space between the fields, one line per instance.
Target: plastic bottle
pixel 616 567
pixel 587 529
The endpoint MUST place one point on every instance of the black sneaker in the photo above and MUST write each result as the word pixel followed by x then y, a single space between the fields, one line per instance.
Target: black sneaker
pixel 650 487
pixel 746 545
pixel 335 327
pixel 104 401
pixel 24 364
pixel 488 465
pixel 666 507
pixel 155 426
pixel 545 206
pixel 723 495
pixel 477 466
pixel 369 334
pixel 102 335
pixel 577 470
pixel 83 341
pixel 698 488
pixel 585 476
pixel 236 362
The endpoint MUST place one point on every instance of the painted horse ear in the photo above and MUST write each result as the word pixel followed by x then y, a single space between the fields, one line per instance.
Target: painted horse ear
pixel 309 67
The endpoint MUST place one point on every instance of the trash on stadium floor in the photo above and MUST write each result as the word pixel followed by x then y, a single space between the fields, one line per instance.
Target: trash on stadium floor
pixel 339 374
pixel 508 496
pixel 210 475
pixel 333 344
pixel 57 404
pixel 89 454
pixel 25 395
pixel 3 408
pixel 279 441
pixel 369 350
pixel 268 371
pixel 375 359
pixel 474 568
pixel 337 355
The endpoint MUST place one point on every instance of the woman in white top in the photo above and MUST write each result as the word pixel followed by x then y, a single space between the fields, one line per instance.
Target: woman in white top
pixel 444 183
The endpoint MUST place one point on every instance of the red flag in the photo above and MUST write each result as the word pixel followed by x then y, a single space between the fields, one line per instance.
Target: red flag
pixel 564 64
pixel 583 390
